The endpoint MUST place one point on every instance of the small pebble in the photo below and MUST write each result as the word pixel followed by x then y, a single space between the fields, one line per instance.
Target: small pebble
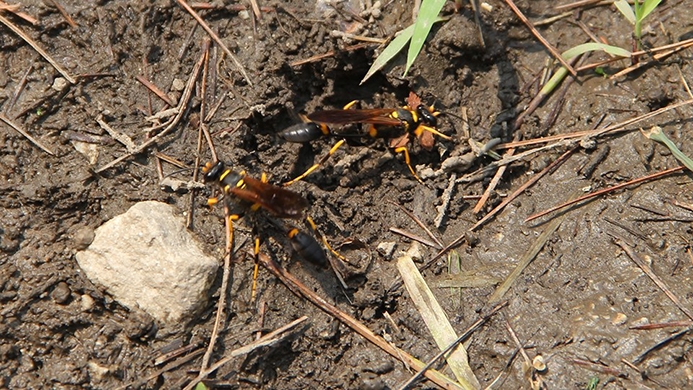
pixel 59 84
pixel 386 249
pixel 83 238
pixel 384 367
pixel 61 293
pixel 372 382
pixel 87 302
pixel 619 319
pixel 178 85
pixel 97 371
pixel 415 252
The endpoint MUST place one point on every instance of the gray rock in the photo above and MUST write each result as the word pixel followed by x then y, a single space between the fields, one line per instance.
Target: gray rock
pixel 146 259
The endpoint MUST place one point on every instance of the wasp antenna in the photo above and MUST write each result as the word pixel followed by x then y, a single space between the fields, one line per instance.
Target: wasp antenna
pixel 179 171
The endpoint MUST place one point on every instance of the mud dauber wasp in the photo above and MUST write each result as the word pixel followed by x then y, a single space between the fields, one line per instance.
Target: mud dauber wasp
pixel 398 125
pixel 279 202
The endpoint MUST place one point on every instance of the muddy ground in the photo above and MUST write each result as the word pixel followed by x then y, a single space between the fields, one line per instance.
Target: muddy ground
pixel 574 304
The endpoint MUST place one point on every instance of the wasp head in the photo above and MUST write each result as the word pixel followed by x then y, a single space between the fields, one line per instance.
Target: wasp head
pixel 213 171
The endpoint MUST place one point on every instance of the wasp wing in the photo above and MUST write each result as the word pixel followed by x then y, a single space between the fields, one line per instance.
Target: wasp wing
pixel 376 116
pixel 276 200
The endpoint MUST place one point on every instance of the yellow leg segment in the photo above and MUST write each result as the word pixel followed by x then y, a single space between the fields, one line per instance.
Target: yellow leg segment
pixel 323 239
pixel 403 149
pixel 256 269
pixel 431 130
pixel 232 218
pixel 350 104
pixel 316 165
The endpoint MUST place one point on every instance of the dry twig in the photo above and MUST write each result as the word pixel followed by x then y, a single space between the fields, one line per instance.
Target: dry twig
pixel 648 271
pixel 541 39
pixel 605 190
pixel 168 126
pixel 25 134
pixel 522 188
pixel 38 48
pixel 216 39
pixel 298 288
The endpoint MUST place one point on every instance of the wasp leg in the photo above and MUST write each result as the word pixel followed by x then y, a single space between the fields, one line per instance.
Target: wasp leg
pixel 256 268
pixel 211 202
pixel 315 230
pixel 337 268
pixel 232 218
pixel 316 165
pixel 419 130
pixel 407 160
pixel 350 104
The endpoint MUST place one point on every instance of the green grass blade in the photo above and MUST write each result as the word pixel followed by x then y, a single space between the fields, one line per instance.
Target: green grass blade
pixel 656 134
pixel 428 14
pixel 626 10
pixel 392 49
pixel 647 7
pixel 593 46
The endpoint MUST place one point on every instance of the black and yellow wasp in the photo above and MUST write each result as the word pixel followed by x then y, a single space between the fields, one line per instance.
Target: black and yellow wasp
pixel 253 194
pixel 398 125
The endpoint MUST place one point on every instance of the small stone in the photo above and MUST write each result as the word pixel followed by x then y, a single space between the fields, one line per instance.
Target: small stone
pixel 384 367
pixel 89 151
pixel 370 381
pixel 619 319
pixel 427 173
pixel 97 371
pixel 386 249
pixel 59 84
pixel 177 85
pixel 83 237
pixel 61 293
pixel 641 321
pixel 87 302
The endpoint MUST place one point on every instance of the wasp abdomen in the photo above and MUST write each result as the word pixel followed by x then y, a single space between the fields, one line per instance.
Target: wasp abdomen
pixel 307 247
pixel 304 132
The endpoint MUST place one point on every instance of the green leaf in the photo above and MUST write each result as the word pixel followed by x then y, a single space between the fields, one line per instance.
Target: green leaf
pixel 647 7
pixel 390 52
pixel 593 46
pixel 428 14
pixel 626 10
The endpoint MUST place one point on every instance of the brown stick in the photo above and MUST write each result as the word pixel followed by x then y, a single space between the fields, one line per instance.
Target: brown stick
pixel 605 190
pixel 594 133
pixel 25 134
pixel 64 13
pixel 38 48
pixel 541 39
pixel 158 92
pixel 648 271
pixel 187 93
pixel 216 39
pixel 14 8
pixel 301 290
pixel 522 189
